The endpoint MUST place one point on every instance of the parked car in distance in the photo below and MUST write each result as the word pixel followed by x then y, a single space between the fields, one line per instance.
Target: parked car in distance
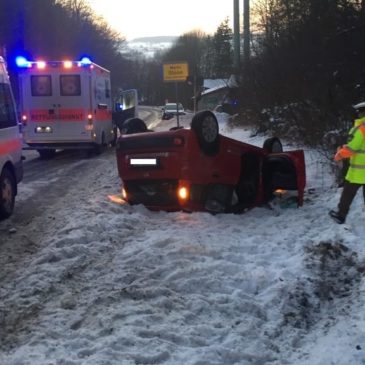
pixel 11 168
pixel 198 169
pixel 172 109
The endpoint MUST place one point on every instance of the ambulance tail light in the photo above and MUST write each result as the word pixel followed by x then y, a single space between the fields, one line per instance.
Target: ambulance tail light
pixel 24 119
pixel 89 126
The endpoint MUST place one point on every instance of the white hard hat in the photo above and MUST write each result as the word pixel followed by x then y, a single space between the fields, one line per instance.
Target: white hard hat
pixel 360 106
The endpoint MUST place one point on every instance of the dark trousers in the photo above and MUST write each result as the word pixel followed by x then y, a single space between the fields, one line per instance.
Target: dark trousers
pixel 348 194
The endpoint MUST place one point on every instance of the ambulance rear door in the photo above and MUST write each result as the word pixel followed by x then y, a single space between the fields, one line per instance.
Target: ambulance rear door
pixel 101 105
pixel 56 103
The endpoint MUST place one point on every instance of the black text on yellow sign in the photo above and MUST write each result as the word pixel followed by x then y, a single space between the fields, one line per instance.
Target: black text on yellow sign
pixel 175 71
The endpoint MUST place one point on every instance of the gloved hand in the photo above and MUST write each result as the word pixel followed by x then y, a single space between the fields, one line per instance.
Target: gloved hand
pixel 338 156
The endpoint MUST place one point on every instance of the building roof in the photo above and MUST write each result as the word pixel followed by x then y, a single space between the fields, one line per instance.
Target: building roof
pixel 212 85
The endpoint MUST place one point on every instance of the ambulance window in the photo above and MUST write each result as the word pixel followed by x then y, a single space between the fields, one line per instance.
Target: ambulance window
pixel 107 89
pixel 41 85
pixel 70 85
pixel 7 112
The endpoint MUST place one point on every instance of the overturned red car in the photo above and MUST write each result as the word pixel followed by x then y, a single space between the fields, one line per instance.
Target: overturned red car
pixel 198 169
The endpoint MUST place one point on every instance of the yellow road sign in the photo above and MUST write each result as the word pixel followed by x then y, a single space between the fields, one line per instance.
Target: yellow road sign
pixel 175 71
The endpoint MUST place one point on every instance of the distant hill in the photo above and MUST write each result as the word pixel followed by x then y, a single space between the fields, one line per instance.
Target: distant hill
pixel 158 39
pixel 148 46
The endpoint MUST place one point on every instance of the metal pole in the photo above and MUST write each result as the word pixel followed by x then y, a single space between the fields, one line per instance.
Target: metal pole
pixel 177 105
pixel 246 32
pixel 236 34
pixel 194 93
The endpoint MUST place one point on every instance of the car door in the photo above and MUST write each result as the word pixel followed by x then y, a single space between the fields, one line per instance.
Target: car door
pixel 125 107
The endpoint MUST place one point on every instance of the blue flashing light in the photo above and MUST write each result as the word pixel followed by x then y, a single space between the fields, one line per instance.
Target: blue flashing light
pixel 22 62
pixel 85 61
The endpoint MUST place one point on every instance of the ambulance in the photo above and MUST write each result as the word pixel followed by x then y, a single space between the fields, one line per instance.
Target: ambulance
pixel 11 168
pixel 65 105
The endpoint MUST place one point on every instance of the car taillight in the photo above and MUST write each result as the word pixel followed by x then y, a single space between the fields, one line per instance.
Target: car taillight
pixel 178 141
pixel 124 194
pixel 280 192
pixel 24 119
pixel 183 191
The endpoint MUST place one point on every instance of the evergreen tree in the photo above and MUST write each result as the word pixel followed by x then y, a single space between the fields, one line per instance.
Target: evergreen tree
pixel 59 29
pixel 309 58
pixel 223 52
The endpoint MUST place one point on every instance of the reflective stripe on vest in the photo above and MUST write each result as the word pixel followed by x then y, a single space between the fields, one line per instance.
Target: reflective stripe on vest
pixel 357 166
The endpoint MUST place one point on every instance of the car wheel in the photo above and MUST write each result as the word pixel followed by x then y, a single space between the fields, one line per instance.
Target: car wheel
pixel 273 145
pixel 205 126
pixel 46 154
pixel 133 125
pixel 7 194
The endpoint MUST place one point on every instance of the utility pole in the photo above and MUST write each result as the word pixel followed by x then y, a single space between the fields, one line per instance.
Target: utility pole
pixel 246 33
pixel 236 35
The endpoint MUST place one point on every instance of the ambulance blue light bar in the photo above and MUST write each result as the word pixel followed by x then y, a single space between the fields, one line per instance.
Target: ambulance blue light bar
pixel 85 61
pixel 22 62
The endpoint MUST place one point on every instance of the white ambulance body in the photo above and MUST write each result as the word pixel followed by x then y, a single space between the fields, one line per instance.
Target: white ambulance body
pixel 11 168
pixel 65 104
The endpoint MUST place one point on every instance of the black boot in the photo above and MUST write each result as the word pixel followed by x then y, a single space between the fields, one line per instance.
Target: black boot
pixel 337 217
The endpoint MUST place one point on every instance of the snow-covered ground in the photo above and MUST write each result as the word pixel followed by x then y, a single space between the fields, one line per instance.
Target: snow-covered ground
pixel 120 285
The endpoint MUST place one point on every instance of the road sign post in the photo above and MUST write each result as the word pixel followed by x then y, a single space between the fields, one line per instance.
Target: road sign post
pixel 176 72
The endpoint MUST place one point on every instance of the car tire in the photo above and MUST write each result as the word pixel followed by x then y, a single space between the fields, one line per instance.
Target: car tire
pixel 133 125
pixel 99 148
pixel 273 145
pixel 7 194
pixel 205 126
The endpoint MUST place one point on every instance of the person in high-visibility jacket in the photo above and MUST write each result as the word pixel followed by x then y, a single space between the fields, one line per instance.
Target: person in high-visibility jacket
pixel 355 177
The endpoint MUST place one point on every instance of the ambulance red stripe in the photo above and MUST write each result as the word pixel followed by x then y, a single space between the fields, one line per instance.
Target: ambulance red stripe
pixel 10 146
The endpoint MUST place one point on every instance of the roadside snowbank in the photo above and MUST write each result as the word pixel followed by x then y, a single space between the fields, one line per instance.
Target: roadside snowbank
pixel 122 285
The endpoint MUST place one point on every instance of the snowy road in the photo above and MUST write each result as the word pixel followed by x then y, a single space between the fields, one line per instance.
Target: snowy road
pixel 69 179
pixel 85 281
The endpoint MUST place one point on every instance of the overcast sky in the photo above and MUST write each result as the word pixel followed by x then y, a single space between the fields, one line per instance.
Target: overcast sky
pixel 141 18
